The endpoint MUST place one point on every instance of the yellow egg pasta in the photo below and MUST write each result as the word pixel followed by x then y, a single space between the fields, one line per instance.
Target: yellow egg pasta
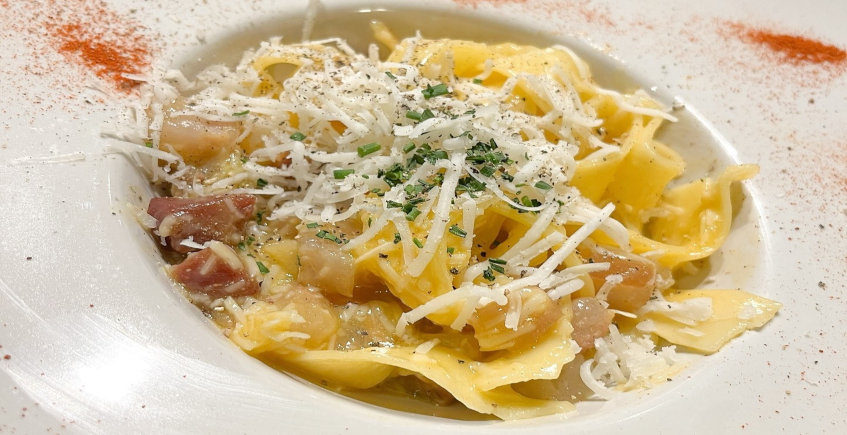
pixel 454 221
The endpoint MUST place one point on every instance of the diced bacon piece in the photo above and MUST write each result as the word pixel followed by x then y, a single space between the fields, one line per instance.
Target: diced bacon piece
pixel 219 217
pixel 638 274
pixel 536 314
pixel 325 265
pixel 199 140
pixel 320 322
pixel 590 321
pixel 215 271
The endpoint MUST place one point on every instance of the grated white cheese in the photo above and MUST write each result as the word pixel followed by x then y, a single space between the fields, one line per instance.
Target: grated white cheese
pixel 425 347
pixel 462 294
pixel 628 362
pixel 609 283
pixel 689 312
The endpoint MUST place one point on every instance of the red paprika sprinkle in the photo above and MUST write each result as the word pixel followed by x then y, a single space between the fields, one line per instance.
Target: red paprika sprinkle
pixel 794 49
pixel 109 56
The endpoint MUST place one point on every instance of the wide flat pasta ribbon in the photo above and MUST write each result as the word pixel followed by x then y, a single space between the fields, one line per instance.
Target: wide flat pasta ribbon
pixel 733 312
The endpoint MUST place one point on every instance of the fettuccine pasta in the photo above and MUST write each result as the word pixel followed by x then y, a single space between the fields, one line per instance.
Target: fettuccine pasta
pixel 458 221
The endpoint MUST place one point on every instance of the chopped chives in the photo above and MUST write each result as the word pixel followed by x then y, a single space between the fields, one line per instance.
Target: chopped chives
pixel 241 113
pixel 427 114
pixel 391 76
pixel 413 189
pixel 451 250
pixel 456 230
pixel 543 186
pixel 497 268
pixel 261 182
pixel 409 146
pixel 324 234
pixel 368 149
pixel 393 204
pixel 477 81
pixel 148 143
pixel 262 267
pixel 417 243
pixel 434 91
pixel 340 174
pixel 413 115
pixel 396 238
pixel 497 261
pixel 312 225
pixel 298 136
pixel 488 274
pixel 412 214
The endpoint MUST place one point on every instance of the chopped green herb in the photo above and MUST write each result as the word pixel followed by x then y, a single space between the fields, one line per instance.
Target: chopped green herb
pixel 413 189
pixel 368 149
pixel 396 238
pixel 396 174
pixel 543 186
pixel 366 176
pixel 434 91
pixel 451 250
pixel 298 136
pixel 323 234
pixel 456 230
pixel 477 81
pixel 393 204
pixel 261 182
pixel 413 115
pixel 409 146
pixel 487 170
pixel 259 217
pixel 506 176
pixel 262 267
pixel 488 274
pixel 370 221
pixel 412 214
pixel 469 184
pixel 242 246
pixel 241 113
pixel 427 114
pixel 391 76
pixel 497 268
pixel 496 261
pixel 312 225
pixel 417 242
pixel 340 174
pixel 148 143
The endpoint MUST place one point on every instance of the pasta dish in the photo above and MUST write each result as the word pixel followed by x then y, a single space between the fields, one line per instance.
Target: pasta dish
pixel 457 222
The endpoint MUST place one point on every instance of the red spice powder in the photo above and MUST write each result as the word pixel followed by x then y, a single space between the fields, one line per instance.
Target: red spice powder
pixel 793 49
pixel 86 33
pixel 108 54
